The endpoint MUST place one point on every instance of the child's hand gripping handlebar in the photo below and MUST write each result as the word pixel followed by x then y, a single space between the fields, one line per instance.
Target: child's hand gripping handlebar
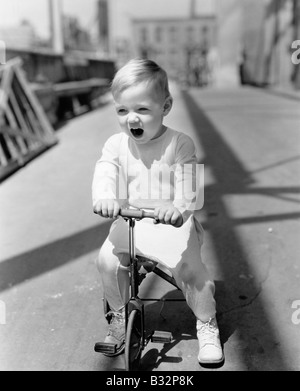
pixel 139 214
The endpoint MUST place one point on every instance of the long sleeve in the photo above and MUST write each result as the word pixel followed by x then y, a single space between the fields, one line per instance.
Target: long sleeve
pixel 105 183
pixel 188 175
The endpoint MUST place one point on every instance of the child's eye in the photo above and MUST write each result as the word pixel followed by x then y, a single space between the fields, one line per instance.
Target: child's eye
pixel 121 111
pixel 143 109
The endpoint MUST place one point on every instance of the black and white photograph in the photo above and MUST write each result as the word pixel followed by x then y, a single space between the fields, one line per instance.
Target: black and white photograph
pixel 149 188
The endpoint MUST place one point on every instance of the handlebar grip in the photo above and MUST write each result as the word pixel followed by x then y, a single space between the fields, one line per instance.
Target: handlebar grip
pixel 136 214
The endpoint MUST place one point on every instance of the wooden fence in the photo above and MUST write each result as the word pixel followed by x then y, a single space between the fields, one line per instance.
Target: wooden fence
pixel 25 131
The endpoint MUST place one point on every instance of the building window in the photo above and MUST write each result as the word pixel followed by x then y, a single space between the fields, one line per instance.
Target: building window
pixel 143 35
pixel 190 33
pixel 173 34
pixel 158 34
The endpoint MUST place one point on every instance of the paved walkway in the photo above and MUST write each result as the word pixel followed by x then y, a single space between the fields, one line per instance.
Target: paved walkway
pixel 49 239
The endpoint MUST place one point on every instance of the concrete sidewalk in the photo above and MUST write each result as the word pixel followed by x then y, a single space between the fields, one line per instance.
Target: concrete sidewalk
pixel 49 238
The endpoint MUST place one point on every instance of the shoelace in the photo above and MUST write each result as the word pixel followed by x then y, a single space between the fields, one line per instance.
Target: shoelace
pixel 117 325
pixel 208 332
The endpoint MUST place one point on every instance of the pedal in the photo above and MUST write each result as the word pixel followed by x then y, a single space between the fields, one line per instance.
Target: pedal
pixel 105 348
pixel 162 337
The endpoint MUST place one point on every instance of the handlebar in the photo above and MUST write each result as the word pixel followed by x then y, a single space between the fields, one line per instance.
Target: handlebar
pixel 136 214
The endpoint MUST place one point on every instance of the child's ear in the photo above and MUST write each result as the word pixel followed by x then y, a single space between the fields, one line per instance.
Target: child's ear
pixel 168 105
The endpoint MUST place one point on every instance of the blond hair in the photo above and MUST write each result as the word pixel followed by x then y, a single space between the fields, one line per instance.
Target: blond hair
pixel 141 70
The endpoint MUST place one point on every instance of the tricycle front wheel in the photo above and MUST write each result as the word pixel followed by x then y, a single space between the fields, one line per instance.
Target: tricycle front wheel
pixel 134 341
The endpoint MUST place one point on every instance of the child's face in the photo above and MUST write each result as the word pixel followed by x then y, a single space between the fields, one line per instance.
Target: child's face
pixel 140 112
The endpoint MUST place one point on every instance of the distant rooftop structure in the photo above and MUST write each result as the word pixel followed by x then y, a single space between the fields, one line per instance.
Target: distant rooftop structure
pixel 177 44
pixel 21 37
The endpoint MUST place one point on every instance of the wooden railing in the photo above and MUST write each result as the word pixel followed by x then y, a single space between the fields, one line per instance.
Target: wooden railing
pixel 25 130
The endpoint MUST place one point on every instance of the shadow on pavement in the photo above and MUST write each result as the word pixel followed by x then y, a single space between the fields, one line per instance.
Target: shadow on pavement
pixel 175 317
pixel 20 268
pixel 239 304
pixel 168 316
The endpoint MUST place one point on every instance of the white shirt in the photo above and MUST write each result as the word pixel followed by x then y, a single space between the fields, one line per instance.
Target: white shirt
pixel 148 175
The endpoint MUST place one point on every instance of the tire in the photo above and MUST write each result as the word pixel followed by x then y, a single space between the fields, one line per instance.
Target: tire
pixel 134 341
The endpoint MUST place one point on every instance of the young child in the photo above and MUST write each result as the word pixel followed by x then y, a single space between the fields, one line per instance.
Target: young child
pixel 133 172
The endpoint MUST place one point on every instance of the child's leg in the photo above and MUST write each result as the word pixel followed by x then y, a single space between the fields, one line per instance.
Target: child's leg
pixel 193 279
pixel 115 280
pixel 198 289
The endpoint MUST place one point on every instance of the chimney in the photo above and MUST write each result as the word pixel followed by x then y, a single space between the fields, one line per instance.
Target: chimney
pixel 192 9
pixel 103 24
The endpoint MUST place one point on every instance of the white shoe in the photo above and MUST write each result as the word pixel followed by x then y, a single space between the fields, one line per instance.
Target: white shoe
pixel 210 349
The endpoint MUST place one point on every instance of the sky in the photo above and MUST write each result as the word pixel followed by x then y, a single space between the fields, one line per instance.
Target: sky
pixel 36 11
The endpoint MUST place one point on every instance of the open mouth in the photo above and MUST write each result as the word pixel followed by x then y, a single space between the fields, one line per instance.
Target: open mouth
pixel 137 133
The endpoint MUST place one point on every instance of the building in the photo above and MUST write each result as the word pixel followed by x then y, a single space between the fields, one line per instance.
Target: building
pixel 269 29
pixel 179 45
pixel 252 40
